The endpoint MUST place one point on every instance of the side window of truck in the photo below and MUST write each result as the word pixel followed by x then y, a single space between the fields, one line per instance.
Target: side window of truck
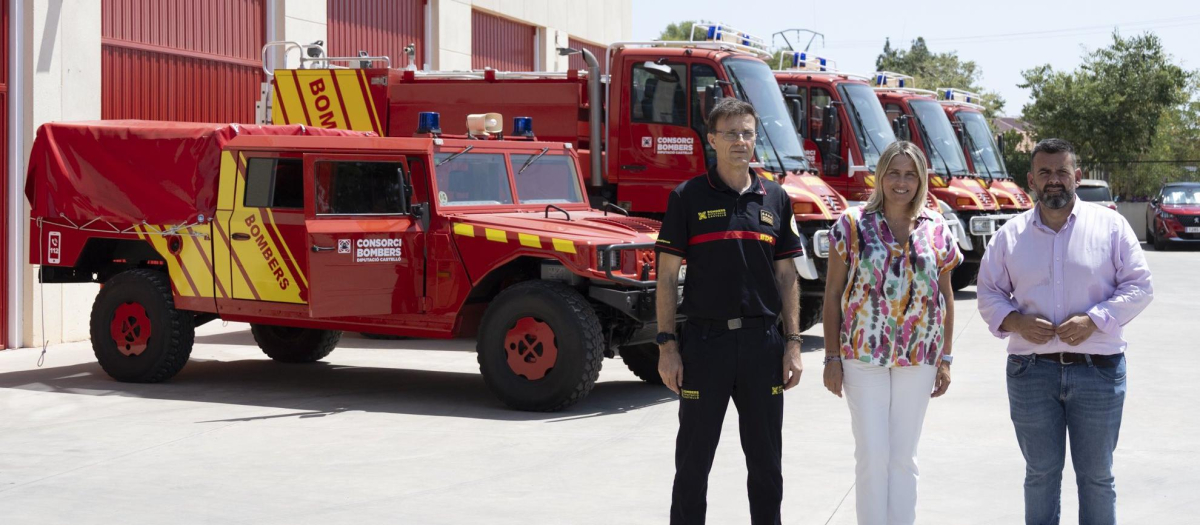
pixel 705 88
pixel 274 183
pixel 359 188
pixel 659 94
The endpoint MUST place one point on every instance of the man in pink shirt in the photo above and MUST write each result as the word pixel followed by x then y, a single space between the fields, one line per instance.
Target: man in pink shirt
pixel 1060 281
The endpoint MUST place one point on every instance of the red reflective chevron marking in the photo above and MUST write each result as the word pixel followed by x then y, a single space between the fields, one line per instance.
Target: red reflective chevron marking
pixel 720 236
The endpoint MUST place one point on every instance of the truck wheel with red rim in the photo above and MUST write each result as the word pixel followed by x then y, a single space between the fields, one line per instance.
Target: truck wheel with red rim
pixel 137 334
pixel 963 275
pixel 642 360
pixel 289 344
pixel 540 346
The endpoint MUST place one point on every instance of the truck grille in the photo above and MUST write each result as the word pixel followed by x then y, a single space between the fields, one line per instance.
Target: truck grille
pixel 1189 220
pixel 832 203
pixel 986 199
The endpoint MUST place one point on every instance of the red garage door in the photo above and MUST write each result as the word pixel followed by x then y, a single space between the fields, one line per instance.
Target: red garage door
pixel 187 60
pixel 577 60
pixel 500 43
pixel 379 28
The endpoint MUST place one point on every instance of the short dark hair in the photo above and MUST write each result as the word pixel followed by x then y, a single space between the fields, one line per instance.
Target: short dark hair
pixel 730 107
pixel 1051 146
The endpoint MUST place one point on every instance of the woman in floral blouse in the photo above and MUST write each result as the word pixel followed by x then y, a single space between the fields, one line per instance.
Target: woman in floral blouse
pixel 889 310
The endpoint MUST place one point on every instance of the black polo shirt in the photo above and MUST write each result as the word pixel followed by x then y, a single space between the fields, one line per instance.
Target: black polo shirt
pixel 731 243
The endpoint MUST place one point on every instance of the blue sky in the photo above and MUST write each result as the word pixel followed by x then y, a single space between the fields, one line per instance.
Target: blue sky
pixel 1003 38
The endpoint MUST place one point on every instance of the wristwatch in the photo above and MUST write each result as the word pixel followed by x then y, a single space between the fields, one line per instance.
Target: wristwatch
pixel 663 337
pixel 832 358
pixel 948 359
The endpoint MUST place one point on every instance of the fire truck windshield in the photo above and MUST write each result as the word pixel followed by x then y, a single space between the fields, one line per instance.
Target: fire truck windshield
pixel 984 153
pixel 873 131
pixel 777 145
pixel 549 179
pixel 941 144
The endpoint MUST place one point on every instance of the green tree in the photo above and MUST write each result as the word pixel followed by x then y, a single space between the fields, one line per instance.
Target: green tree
pixel 1017 162
pixel 1125 105
pixel 937 70
pixel 677 31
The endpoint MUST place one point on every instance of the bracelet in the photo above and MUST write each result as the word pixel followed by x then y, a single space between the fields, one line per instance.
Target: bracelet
pixel 794 337
pixel 830 358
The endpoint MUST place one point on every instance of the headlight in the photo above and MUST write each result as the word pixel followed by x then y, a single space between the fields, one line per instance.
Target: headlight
pixel 1165 215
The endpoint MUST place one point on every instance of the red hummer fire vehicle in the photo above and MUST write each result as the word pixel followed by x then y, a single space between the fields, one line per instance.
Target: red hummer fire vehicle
pixel 305 232
pixel 917 116
pixel 639 130
pixel 841 124
pixel 984 157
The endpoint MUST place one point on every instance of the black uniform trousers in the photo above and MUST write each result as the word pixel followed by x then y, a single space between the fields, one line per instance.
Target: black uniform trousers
pixel 747 365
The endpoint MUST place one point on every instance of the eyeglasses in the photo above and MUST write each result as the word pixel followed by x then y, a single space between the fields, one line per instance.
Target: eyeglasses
pixel 732 136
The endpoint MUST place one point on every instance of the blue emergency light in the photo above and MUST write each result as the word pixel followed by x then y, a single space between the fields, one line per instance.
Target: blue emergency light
pixel 523 126
pixel 714 32
pixel 429 122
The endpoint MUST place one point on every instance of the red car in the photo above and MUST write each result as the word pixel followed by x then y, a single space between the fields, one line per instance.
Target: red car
pixel 1173 216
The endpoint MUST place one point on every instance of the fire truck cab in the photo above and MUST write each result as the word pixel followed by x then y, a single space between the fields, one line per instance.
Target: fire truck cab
pixel 984 157
pixel 304 233
pixel 917 116
pixel 639 130
pixel 842 125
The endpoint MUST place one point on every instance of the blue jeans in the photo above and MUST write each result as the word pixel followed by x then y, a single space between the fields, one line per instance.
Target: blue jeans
pixel 1048 400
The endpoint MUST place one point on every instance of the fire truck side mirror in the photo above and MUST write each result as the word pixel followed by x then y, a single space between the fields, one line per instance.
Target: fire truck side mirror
pixel 960 132
pixel 797 110
pixel 420 212
pixel 1000 143
pixel 829 120
pixel 900 128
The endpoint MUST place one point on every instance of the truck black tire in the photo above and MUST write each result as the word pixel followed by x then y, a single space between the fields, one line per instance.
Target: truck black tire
pixel 137 334
pixel 811 311
pixel 963 275
pixel 540 347
pixel 288 344
pixel 642 360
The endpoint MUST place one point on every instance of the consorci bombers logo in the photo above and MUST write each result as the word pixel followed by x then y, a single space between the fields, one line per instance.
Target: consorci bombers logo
pixel 377 250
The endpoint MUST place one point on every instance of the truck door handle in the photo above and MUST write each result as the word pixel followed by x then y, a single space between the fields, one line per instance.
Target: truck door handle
pixel 319 249
pixel 240 236
pixel 633 167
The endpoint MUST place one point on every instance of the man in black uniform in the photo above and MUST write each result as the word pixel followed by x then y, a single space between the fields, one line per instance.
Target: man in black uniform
pixel 737 232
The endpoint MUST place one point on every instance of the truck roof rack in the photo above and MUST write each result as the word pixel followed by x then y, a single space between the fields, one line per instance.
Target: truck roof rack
pixel 899 82
pixel 314 53
pixel 801 61
pixel 962 97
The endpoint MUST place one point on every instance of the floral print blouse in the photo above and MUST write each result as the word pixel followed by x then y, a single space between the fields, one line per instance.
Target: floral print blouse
pixel 892 310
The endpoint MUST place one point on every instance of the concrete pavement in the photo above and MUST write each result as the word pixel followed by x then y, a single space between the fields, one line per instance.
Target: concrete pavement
pixel 379 435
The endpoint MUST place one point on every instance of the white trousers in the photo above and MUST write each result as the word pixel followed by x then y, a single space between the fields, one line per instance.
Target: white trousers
pixel 887 409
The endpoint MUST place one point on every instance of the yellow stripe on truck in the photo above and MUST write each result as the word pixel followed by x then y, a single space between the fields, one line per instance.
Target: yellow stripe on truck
pixel 530 241
pixel 563 245
pixel 466 230
pixel 495 235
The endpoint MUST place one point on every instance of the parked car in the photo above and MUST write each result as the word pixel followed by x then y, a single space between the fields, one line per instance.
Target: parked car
pixel 1094 190
pixel 1173 216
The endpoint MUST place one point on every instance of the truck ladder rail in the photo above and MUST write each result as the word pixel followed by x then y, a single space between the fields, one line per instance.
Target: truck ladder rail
pixel 131 230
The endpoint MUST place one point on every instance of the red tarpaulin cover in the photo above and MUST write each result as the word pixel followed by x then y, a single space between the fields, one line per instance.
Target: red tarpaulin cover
pixel 129 171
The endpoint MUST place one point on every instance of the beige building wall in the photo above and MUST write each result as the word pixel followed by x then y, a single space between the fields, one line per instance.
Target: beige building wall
pixel 62 82
pixel 596 21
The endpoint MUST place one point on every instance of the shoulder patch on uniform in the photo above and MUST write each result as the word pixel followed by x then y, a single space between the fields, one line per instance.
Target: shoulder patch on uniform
pixel 766 217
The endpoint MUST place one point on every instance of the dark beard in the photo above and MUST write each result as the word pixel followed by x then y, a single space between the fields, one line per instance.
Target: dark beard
pixel 1057 201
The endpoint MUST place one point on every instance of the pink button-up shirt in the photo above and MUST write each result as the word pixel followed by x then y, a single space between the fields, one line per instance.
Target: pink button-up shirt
pixel 1093 265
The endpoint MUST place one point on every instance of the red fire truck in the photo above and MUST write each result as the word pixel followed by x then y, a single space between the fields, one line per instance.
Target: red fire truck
pixel 305 232
pixel 984 157
pixel 639 130
pixel 917 116
pixel 841 124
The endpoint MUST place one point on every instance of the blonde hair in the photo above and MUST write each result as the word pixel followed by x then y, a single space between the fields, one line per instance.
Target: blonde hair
pixel 910 150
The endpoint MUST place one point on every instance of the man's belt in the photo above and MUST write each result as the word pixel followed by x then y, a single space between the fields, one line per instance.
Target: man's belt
pixel 1068 358
pixel 734 324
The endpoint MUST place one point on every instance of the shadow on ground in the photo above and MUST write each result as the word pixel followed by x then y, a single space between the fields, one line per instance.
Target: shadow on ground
pixel 323 389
